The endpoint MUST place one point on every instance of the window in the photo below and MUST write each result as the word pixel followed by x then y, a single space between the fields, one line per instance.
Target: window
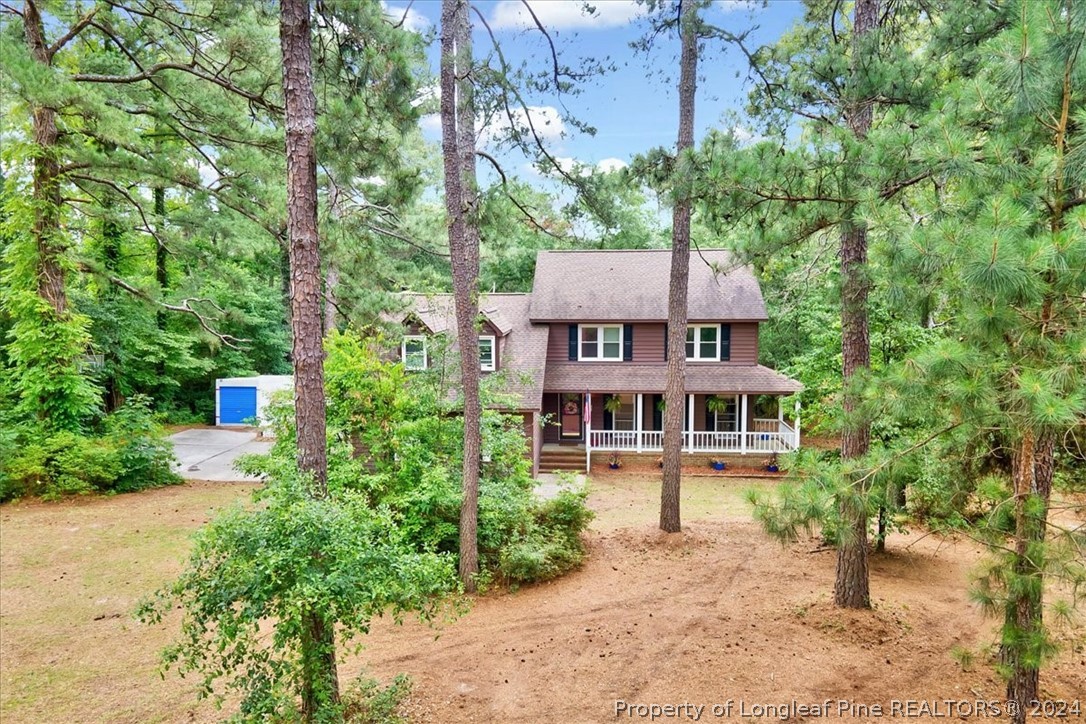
pixel 413 352
pixel 487 348
pixel 620 412
pixel 601 343
pixel 728 419
pixel 703 343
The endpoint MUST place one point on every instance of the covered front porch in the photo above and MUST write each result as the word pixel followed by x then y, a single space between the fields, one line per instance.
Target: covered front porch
pixel 725 422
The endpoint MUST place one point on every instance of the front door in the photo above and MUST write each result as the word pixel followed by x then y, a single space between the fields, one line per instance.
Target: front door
pixel 572 419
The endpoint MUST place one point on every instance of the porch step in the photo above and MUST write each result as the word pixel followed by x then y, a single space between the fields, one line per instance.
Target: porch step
pixel 562 460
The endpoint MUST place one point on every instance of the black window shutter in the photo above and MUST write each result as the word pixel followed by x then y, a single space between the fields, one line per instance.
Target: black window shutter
pixel 657 413
pixel 627 343
pixel 710 418
pixel 608 419
pixel 665 342
pixel 573 343
pixel 725 342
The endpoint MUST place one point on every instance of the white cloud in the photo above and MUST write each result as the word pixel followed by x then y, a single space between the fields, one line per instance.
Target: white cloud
pixel 576 167
pixel 608 165
pixel 545 120
pixel 728 6
pixel 413 20
pixel 564 14
pixel 426 93
pixel 430 123
pixel 744 136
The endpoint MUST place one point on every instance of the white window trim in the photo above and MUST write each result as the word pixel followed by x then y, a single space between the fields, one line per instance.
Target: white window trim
pixel 425 352
pixel 697 342
pixel 599 342
pixel 493 352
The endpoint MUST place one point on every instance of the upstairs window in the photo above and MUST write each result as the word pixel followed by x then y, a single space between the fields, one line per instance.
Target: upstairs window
pixel 413 352
pixel 487 354
pixel 703 343
pixel 603 342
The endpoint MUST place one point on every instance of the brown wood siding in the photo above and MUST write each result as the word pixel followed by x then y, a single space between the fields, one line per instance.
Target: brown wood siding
pixel 597 410
pixel 744 343
pixel 648 344
pixel 551 433
pixel 558 343
pixel 699 412
pixel 646 412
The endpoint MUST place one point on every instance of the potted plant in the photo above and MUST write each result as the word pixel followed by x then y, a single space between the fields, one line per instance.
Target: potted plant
pixel 660 461
pixel 613 462
pixel 613 403
pixel 717 463
pixel 770 463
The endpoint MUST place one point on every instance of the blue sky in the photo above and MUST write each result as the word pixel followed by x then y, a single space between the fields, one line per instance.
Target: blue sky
pixel 633 108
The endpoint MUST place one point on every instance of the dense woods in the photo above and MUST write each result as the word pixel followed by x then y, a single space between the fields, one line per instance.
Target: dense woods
pixel 181 203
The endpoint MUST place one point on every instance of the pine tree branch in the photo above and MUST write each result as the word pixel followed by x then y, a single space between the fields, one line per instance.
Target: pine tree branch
pixel 191 69
pixel 73 31
pixel 523 209
pixel 184 307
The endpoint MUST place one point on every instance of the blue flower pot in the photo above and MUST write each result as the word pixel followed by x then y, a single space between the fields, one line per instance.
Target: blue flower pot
pixel 718 466
pixel 772 468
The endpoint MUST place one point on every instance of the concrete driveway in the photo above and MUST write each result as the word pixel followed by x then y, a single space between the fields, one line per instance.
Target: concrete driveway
pixel 209 454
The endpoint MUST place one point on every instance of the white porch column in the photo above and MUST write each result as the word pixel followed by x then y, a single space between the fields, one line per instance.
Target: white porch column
pixel 743 426
pixel 690 424
pixel 638 424
pixel 587 403
pixel 797 424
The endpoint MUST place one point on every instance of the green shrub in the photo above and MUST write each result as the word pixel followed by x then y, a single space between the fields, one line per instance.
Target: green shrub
pixel 396 441
pixel 130 453
pixel 367 702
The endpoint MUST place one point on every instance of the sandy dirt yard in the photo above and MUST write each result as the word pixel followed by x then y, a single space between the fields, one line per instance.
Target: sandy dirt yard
pixel 718 613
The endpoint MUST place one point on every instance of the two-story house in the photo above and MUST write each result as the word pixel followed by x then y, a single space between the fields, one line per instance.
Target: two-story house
pixel 586 355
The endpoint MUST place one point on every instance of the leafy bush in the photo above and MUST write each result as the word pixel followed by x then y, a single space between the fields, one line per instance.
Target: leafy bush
pixel 253 566
pixel 130 453
pixel 396 441
pixel 367 702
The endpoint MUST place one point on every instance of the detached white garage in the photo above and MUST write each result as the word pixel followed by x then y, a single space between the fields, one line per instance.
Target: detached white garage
pixel 240 400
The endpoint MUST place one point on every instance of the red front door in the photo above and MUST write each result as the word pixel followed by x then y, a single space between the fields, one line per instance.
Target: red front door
pixel 570 411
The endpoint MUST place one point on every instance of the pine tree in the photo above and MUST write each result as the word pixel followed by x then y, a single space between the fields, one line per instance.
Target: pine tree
pixel 461 202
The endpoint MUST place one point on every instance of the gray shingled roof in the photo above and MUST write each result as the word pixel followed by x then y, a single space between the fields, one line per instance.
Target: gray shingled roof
pixel 632 285
pixel 524 354
pixel 437 312
pixel 628 377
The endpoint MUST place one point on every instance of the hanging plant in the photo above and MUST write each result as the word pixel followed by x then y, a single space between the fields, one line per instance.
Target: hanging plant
pixel 613 403
pixel 716 404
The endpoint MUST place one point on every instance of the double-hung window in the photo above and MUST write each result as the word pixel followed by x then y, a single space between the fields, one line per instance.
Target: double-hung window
pixel 703 343
pixel 601 342
pixel 413 352
pixel 487 353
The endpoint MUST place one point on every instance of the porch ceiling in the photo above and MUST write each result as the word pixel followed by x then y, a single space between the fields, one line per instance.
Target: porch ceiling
pixel 700 379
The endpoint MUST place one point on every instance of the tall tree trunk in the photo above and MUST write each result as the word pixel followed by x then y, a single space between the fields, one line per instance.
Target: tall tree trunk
pixel 112 234
pixel 1033 464
pixel 331 281
pixel 851 589
pixel 458 143
pixel 320 686
pixel 47 197
pixel 162 274
pixel 674 404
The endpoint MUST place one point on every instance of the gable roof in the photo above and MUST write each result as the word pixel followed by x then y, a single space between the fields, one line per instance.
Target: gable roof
pixel 631 286
pixel 438 313
pixel 523 356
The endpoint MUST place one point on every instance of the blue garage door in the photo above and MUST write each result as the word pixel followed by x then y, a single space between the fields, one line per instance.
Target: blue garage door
pixel 236 404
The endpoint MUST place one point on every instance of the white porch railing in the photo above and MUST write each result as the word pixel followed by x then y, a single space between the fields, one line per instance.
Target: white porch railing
pixel 783 440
